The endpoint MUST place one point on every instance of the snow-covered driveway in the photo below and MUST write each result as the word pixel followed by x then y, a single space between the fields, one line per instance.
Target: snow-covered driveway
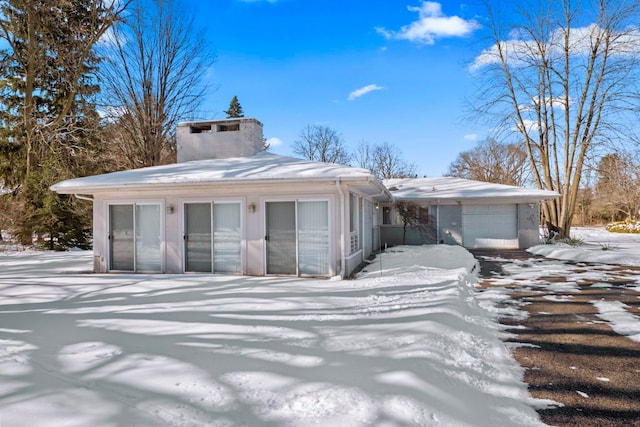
pixel 404 344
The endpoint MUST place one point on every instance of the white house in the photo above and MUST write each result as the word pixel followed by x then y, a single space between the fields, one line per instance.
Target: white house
pixel 469 213
pixel 228 206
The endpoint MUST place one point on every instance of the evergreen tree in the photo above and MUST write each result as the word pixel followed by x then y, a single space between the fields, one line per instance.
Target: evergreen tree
pixel 48 117
pixel 235 109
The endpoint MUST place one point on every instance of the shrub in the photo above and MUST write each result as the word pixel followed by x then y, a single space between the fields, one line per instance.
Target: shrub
pixel 627 226
pixel 571 241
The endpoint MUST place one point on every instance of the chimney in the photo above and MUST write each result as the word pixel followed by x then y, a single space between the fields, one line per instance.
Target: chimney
pixel 218 139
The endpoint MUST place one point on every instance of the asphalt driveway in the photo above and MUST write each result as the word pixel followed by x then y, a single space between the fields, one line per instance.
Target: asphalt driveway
pixel 569 353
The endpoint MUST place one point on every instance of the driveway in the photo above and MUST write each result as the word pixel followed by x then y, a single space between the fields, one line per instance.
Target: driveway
pixel 570 354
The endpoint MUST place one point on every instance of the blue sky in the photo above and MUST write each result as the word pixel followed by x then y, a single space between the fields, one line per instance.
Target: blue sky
pixel 389 71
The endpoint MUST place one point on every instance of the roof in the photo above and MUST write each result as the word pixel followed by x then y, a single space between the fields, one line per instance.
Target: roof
pixel 452 190
pixel 262 167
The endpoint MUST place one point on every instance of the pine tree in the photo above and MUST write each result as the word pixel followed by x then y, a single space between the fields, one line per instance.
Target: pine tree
pixel 47 114
pixel 235 109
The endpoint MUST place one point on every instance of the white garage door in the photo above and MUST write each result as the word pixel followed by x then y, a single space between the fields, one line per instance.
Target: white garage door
pixel 490 226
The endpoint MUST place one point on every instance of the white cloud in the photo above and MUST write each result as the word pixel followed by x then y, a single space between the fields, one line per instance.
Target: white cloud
pixel 521 50
pixel 432 24
pixel 274 141
pixel 471 137
pixel 110 39
pixel 363 91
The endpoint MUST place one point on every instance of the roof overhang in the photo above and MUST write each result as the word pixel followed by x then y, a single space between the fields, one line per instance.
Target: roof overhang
pixel 451 190
pixel 370 187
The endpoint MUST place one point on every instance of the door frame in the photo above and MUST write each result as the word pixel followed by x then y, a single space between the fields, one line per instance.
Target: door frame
pixel 330 220
pixel 211 202
pixel 134 203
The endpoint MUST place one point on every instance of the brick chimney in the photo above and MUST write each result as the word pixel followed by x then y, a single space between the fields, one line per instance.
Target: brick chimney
pixel 218 139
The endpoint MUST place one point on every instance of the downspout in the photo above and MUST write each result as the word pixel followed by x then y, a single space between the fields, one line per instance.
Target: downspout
pixel 361 229
pixel 81 197
pixel 343 256
pixel 437 222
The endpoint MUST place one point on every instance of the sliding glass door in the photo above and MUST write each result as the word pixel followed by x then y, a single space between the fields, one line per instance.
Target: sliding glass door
pixel 227 238
pixel 313 238
pixel 135 237
pixel 281 238
pixel 197 237
pixel 121 238
pixel 297 237
pixel 213 237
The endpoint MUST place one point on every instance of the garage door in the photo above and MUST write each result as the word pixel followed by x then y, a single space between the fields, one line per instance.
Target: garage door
pixel 490 226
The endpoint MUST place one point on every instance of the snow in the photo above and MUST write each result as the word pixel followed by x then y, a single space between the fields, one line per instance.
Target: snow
pixel 452 189
pixel 623 322
pixel 405 343
pixel 264 166
pixel 597 245
pixel 410 341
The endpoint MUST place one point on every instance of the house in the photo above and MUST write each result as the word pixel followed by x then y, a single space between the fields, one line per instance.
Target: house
pixel 464 212
pixel 227 206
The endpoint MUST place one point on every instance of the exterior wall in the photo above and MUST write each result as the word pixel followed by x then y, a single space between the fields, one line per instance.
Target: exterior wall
pixel 370 229
pixel 253 223
pixel 449 219
pixel 528 225
pixel 99 236
pixel 391 235
pixel 218 139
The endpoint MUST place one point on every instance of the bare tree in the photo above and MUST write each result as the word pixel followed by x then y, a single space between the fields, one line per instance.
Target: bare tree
pixel 415 217
pixel 362 155
pixel 491 161
pixel 383 160
pixel 563 79
pixel 618 186
pixel 321 144
pixel 154 77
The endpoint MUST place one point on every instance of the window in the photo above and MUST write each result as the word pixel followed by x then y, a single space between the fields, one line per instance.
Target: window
pixel 135 242
pixel 231 127
pixel 199 128
pixel 297 239
pixel 212 237
pixel 423 215
pixel 386 215
pixel 354 221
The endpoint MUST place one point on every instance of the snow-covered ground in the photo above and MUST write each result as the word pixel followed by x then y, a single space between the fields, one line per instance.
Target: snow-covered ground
pixel 597 245
pixel 408 342
pixel 403 344
pixel 600 246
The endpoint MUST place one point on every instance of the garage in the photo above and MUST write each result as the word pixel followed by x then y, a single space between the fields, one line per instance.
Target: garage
pixel 490 226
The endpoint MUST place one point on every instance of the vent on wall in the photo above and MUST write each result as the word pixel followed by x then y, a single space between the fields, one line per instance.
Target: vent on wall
pixel 200 128
pixel 229 128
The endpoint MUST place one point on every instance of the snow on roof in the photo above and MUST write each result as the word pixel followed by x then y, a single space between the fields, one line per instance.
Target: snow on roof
pixel 451 189
pixel 263 166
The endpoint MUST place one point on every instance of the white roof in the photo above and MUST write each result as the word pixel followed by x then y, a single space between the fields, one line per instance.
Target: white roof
pixel 452 190
pixel 263 166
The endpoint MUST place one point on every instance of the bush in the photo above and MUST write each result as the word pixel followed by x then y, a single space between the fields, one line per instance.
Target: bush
pixel 628 226
pixel 571 241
